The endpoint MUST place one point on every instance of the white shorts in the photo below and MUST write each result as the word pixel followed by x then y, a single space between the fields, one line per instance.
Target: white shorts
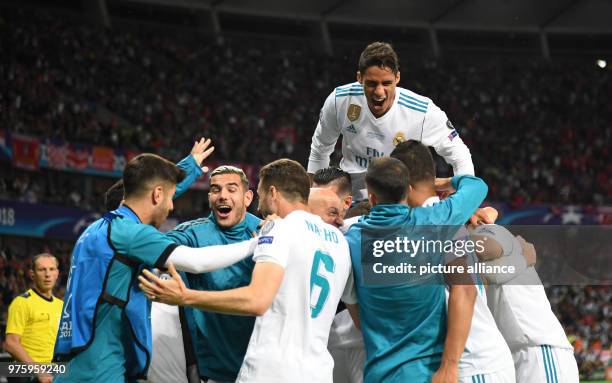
pixel 503 376
pixel 545 364
pixel 348 364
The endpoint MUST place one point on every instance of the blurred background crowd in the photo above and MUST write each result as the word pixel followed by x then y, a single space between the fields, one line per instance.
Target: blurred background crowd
pixel 538 131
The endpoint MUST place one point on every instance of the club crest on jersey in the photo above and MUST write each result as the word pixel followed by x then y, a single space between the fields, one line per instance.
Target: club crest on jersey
pixel 353 112
pixel 398 138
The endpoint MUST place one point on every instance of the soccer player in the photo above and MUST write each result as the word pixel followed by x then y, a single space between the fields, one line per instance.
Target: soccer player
pixel 173 357
pixel 404 325
pixel 327 205
pixel 539 346
pixel 301 269
pixel 345 341
pixel 220 340
pixel 374 114
pixel 105 330
pixel 33 317
pixel 338 181
pixel 486 356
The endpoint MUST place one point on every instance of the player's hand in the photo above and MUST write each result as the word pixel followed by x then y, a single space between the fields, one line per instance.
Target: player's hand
pixel 529 252
pixel 444 185
pixel 171 292
pixel 446 374
pixel 44 378
pixel 200 151
pixel 485 215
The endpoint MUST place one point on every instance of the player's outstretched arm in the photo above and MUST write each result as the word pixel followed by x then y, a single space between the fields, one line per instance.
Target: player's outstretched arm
pixel 325 136
pixel 210 258
pixel 460 310
pixel 485 215
pixel 440 133
pixel 457 155
pixel 519 260
pixel 192 164
pixel 254 299
pixel 459 207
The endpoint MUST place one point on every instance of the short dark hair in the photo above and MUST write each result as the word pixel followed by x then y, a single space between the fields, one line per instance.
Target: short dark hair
pixel 289 177
pixel 360 208
pixel 228 169
pixel 113 196
pixel 418 160
pixel 378 54
pixel 331 174
pixel 42 255
pixel 387 178
pixel 147 168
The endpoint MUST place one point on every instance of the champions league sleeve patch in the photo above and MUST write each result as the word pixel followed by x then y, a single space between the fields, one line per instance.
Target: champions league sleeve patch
pixel 266 240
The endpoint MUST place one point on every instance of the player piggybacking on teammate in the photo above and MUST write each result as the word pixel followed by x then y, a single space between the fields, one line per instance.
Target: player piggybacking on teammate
pixel 373 115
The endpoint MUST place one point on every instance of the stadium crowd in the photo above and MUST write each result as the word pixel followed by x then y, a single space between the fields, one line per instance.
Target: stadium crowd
pixel 537 131
pixel 44 187
pixel 585 313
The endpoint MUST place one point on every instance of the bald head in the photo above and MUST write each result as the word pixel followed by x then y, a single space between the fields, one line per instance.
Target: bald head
pixel 325 203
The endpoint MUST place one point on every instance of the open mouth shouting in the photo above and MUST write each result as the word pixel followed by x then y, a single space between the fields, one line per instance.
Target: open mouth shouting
pixel 378 104
pixel 223 211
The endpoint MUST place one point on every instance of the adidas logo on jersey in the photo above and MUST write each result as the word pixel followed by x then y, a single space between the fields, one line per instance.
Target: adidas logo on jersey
pixel 351 129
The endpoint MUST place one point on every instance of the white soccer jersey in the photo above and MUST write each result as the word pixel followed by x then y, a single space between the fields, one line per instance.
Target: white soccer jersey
pixel 411 116
pixel 486 351
pixel 520 306
pixel 168 358
pixel 289 342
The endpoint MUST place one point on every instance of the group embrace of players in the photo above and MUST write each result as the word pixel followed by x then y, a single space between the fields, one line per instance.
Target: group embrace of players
pixel 260 301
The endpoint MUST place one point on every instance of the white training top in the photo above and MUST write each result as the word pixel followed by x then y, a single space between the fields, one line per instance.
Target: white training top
pixel 289 342
pixel 520 306
pixel 411 116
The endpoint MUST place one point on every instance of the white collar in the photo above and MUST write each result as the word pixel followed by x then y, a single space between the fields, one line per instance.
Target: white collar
pixel 431 200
